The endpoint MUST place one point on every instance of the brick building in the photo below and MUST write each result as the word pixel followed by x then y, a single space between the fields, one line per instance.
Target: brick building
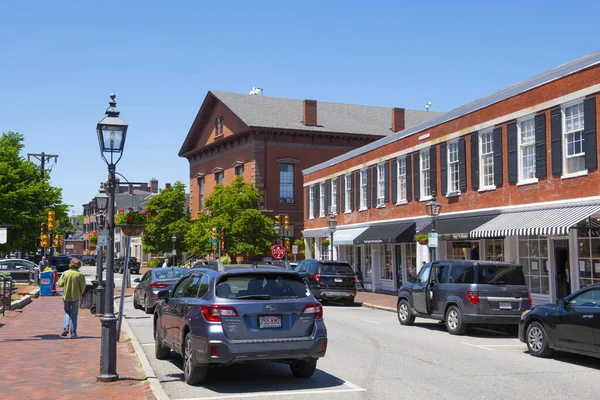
pixel 270 140
pixel 516 174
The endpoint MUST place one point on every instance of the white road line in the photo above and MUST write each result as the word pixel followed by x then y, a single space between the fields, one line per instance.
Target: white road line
pixel 477 345
pixel 148 344
pixel 372 322
pixel 502 345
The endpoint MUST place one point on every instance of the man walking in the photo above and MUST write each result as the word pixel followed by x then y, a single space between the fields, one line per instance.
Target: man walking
pixel 43 264
pixel 73 283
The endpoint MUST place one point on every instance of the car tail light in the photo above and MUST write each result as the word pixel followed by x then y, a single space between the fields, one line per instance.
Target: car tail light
pixel 317 277
pixel 213 313
pixel 530 301
pixel 316 309
pixel 473 297
pixel 158 285
pixel 355 279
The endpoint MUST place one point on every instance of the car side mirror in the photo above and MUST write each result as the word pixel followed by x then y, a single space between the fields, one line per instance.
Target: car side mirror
pixel 561 303
pixel 164 295
pixel 137 280
pixel 412 279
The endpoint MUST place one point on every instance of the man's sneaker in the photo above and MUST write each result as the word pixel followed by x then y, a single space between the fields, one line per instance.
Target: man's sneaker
pixel 65 332
pixel 73 336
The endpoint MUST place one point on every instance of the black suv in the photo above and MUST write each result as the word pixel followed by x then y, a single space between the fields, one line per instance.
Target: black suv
pixel 463 292
pixel 61 263
pixel 134 265
pixel 329 280
pixel 88 260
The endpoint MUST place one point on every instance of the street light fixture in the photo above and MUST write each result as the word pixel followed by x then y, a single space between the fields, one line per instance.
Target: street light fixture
pixel 112 132
pixel 173 239
pixel 332 225
pixel 277 229
pixel 101 201
pixel 433 210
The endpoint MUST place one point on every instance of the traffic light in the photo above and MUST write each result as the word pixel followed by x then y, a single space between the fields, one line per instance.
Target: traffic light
pixel 56 241
pixel 287 243
pixel 278 220
pixel 214 233
pixel 43 229
pixel 45 240
pixel 51 221
pixel 222 238
pixel 286 223
pixel 61 240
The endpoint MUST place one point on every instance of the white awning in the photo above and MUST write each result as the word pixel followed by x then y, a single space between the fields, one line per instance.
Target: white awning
pixel 546 221
pixel 316 232
pixel 347 236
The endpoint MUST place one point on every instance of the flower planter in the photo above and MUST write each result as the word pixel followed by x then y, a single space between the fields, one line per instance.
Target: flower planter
pixel 132 229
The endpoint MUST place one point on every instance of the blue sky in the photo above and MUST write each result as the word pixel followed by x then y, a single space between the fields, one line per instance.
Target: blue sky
pixel 60 61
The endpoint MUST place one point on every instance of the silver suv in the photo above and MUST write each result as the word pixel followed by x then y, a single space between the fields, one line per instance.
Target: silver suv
pixel 462 293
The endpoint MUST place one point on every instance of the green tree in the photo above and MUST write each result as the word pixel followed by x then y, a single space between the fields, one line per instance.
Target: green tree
pixel 171 219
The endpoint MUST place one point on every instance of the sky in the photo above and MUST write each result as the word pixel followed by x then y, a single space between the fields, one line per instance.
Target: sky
pixel 60 60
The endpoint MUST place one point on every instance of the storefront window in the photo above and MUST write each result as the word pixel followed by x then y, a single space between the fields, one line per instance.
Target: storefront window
pixel 588 257
pixel 455 253
pixel 386 267
pixel 347 254
pixel 368 262
pixel 411 260
pixel 494 249
pixel 533 256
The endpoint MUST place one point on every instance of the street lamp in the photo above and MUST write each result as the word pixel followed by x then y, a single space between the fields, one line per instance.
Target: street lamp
pixel 433 210
pixel 173 239
pixel 101 201
pixel 277 229
pixel 332 225
pixel 112 132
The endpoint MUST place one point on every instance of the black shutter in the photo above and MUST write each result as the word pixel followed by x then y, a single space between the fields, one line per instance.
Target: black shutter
pixel 540 145
pixel 433 169
pixel 386 181
pixel 357 183
pixel 556 140
pixel 498 165
pixel 511 142
pixel 475 161
pixel 407 160
pixel 341 195
pixel 327 197
pixel 394 172
pixel 307 202
pixel 317 200
pixel 352 192
pixel 462 165
pixel 373 186
pixel 443 168
pixel 417 178
pixel 589 133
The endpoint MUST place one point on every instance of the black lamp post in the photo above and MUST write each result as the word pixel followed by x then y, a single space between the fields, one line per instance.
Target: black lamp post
pixel 112 132
pixel 433 210
pixel 101 201
pixel 332 225
pixel 277 229
pixel 173 239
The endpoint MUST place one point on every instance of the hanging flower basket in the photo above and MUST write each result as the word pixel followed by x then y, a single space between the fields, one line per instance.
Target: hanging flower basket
pixel 132 221
pixel 422 238
pixel 132 229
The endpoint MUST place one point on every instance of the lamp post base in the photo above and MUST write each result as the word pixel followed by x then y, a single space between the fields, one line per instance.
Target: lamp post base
pixel 108 351
pixel 99 300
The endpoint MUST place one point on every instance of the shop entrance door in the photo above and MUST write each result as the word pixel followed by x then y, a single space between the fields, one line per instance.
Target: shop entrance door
pixel 562 278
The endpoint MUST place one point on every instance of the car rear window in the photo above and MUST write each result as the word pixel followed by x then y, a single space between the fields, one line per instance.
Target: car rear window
pixel 501 274
pixel 462 273
pixel 271 286
pixel 331 268
pixel 169 274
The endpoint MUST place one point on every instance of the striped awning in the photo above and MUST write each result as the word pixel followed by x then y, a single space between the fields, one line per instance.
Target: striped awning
pixel 546 221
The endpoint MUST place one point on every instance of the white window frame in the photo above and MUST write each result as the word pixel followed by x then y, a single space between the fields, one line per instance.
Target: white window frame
pixel 381 185
pixel 564 139
pixel 311 202
pixel 347 192
pixel 334 195
pixel 425 174
pixel 401 180
pixel 453 168
pixel 482 161
pixel 322 198
pixel 523 179
pixel 201 193
pixel 221 175
pixel 363 189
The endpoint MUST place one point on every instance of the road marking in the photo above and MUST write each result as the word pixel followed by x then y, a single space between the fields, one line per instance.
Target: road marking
pixel 148 344
pixel 477 345
pixel 371 321
pixel 503 345
pixel 353 388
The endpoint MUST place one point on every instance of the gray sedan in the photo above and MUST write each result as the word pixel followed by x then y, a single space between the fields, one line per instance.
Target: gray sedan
pixel 19 270
pixel 146 292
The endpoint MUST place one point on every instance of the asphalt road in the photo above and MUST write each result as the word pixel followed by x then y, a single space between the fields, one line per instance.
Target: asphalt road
pixel 89 271
pixel 371 356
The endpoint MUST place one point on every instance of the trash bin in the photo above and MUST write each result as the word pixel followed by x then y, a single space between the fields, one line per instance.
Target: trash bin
pixel 87 298
pixel 46 283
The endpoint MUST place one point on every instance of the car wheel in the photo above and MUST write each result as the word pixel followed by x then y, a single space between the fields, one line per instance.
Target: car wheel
pixel 192 374
pixel 349 301
pixel 304 368
pixel 404 314
pixel 537 340
pixel 160 352
pixel 147 308
pixel 454 321
pixel 136 303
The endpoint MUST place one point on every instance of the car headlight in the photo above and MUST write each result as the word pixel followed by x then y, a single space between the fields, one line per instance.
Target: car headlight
pixel 524 313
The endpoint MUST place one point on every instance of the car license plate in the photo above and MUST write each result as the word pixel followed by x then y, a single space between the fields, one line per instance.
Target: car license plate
pixel 269 321
pixel 505 305
pixel 339 280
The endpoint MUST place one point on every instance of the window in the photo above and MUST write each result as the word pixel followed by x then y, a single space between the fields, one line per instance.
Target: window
pixel 347 192
pixel 311 207
pixel 424 274
pixel 494 274
pixel 185 288
pixel 533 256
pixel 588 256
pixel 363 189
pixel 368 266
pixel 589 298
pixel 526 134
pixel 322 196
pixel 574 152
pixel 401 195
pixel 239 170
pixel 286 183
pixel 455 252
pixel 453 182
pixel 486 159
pixel 334 195
pixel 494 249
pixel 386 270
pixel 380 185
pixel 462 274
pixel 425 175
pixel 219 177
pixel 219 125
pixel 411 260
pixel 201 193
pixel 440 273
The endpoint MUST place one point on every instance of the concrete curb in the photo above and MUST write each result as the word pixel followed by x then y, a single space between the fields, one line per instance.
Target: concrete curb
pixel 21 303
pixel 155 384
pixel 375 306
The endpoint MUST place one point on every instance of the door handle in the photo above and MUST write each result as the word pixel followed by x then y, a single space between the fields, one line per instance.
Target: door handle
pixel 588 316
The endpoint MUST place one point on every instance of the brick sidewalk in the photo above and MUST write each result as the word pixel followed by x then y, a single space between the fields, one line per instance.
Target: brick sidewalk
pixel 38 363
pixel 377 300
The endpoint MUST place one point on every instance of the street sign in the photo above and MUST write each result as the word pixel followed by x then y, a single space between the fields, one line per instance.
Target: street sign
pixel 2 235
pixel 174 252
pixel 278 251
pixel 294 249
pixel 213 242
pixel 103 237
pixel 432 239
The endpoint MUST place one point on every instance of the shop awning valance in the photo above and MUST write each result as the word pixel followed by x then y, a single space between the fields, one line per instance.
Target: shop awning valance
pixel 387 233
pixel 457 228
pixel 346 236
pixel 546 221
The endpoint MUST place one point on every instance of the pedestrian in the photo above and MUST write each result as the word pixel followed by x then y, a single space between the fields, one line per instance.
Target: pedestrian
pixel 73 283
pixel 166 263
pixel 43 264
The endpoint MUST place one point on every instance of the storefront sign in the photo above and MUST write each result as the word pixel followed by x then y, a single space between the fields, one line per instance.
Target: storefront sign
pixel 461 245
pixel 459 236
pixel 2 235
pixel 369 241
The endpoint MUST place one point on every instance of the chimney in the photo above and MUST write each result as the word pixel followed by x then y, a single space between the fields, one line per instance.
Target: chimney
pixel 167 185
pixel 309 112
pixel 130 189
pixel 154 185
pixel 397 119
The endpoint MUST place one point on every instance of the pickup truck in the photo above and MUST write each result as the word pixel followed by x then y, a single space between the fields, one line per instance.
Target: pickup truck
pixel 134 265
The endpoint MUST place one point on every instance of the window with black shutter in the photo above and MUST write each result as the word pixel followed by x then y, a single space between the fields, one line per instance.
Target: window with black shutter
pixel 433 169
pixel 416 176
pixel 317 200
pixel 308 202
pixel 589 133
pixel 386 181
pixel 540 146
pixel 511 142
pixel 357 190
pixel 556 141
pixel 443 168
pixel 342 194
pixel 474 138
pixel 409 177
pixel 498 164
pixel 373 187
pixel 462 165
pixel 327 197
pixel 394 172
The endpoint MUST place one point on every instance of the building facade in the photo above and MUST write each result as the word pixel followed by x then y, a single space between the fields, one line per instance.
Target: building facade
pixel 516 174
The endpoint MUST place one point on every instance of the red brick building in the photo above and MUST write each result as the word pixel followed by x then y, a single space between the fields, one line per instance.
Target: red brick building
pixel 516 174
pixel 270 140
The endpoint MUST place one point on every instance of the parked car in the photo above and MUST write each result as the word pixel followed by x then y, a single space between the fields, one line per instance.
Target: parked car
pixel 88 260
pixel 217 318
pixel 134 265
pixel 61 263
pixel 72 255
pixel 572 325
pixel 273 263
pixel 463 292
pixel 329 280
pixel 145 295
pixel 19 269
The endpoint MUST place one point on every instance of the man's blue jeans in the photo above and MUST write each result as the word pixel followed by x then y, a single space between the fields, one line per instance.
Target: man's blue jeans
pixel 71 310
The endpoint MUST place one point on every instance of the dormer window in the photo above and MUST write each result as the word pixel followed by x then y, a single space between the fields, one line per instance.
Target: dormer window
pixel 219 125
